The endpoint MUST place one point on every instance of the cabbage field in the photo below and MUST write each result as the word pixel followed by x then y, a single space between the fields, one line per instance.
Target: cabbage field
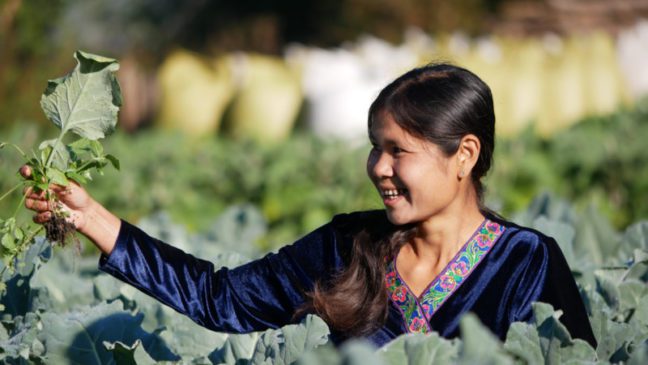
pixel 59 309
pixel 232 201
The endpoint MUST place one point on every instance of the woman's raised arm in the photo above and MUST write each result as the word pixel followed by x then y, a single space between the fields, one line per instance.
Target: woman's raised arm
pixel 261 294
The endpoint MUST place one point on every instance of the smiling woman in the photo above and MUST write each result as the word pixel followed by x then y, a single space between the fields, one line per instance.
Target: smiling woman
pixel 433 254
pixel 436 251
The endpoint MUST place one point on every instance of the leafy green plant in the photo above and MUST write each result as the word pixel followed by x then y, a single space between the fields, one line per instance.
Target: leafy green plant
pixel 66 311
pixel 84 104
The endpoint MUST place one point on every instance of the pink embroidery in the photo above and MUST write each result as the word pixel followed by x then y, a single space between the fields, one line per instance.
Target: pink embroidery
pixel 446 283
pixel 417 325
pixel 482 241
pixel 399 294
pixel 459 268
pixel 391 279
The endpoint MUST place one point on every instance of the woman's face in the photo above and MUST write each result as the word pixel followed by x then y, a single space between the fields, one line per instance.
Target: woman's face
pixel 415 179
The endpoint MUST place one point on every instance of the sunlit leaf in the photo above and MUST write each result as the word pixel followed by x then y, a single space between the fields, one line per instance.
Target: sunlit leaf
pixel 76 177
pixel 56 176
pixel 87 100
pixel 61 156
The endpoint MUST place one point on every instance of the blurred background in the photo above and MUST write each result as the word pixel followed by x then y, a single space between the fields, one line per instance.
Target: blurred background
pixel 262 104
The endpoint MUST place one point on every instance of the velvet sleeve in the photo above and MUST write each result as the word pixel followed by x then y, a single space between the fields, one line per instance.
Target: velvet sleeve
pixel 259 295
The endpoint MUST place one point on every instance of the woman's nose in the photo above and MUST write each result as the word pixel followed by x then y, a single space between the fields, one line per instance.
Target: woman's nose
pixel 379 165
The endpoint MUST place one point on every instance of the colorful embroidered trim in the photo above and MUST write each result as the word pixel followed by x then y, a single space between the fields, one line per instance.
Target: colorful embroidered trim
pixel 417 313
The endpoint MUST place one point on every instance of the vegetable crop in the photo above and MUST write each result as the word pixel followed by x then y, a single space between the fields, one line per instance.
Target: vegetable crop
pixel 82 104
pixel 61 310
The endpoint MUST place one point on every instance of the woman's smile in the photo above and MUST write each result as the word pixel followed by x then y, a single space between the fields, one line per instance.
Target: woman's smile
pixel 393 196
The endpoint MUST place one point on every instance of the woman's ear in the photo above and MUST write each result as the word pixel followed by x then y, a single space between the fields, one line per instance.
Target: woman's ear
pixel 467 154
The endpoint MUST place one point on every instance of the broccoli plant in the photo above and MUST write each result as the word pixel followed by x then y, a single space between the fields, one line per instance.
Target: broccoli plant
pixel 83 105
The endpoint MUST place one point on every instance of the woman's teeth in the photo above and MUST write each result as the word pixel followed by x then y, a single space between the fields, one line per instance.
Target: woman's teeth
pixel 392 193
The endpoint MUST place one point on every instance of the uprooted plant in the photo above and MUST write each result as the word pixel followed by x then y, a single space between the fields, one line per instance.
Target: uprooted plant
pixel 84 104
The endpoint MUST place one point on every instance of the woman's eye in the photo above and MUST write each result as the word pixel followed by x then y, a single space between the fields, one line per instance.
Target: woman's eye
pixel 396 150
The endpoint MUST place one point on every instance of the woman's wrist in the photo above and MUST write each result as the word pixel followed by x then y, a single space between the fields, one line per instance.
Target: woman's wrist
pixel 100 226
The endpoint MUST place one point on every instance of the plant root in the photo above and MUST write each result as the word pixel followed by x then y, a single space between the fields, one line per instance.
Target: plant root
pixel 59 231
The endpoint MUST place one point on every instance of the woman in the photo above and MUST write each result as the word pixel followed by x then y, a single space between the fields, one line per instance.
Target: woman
pixel 434 253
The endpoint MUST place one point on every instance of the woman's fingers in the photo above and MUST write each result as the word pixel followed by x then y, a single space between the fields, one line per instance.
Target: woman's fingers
pixel 25 171
pixel 37 205
pixel 28 192
pixel 61 190
pixel 42 217
pixel 40 201
pixel 57 189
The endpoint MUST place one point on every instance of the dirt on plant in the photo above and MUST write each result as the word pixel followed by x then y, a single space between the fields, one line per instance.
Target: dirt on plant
pixel 59 231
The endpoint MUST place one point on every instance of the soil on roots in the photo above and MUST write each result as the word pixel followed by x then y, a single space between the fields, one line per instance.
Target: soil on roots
pixel 59 231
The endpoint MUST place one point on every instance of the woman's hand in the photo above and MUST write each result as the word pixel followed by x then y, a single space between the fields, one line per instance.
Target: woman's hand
pixel 89 217
pixel 72 199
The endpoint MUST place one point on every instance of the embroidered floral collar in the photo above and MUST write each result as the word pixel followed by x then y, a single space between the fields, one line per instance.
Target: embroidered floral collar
pixel 418 312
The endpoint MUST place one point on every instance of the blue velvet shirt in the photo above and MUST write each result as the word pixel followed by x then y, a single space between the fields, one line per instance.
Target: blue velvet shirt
pixel 522 267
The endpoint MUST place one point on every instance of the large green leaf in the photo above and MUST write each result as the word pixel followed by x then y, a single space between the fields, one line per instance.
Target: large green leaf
pixel 556 344
pixel 238 228
pixel 552 333
pixel 286 345
pixel 595 238
pixel 186 338
pixel 85 101
pixel 58 151
pixel 634 237
pixel 66 288
pixel 236 349
pixel 547 340
pixel 563 233
pixel 523 342
pixel 607 284
pixel 281 346
pixel 181 335
pixel 609 334
pixel 479 344
pixel 622 287
pixel 78 336
pixel 228 242
pixel 420 349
